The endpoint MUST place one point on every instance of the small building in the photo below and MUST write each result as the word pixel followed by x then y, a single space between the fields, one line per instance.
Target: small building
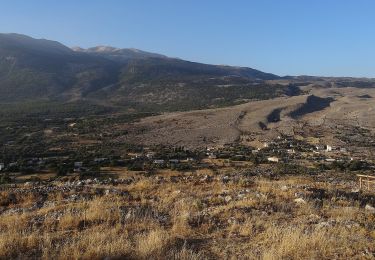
pixel 174 161
pixel 81 169
pixel 2 166
pixel 150 155
pixel 329 148
pixel 212 156
pixel 273 159
pixel 100 160
pixel 78 164
pixel 13 164
pixel 159 162
pixel 343 150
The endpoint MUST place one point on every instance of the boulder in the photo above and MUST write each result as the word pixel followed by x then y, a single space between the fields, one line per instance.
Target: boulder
pixel 370 208
pixel 300 201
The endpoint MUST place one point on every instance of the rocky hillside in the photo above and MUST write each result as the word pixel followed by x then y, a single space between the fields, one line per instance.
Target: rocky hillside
pixel 33 69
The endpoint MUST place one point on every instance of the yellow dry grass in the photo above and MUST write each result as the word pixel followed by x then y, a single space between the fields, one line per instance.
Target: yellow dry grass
pixel 188 219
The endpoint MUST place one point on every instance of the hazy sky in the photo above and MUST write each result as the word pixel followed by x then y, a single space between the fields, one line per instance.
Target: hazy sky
pixel 285 37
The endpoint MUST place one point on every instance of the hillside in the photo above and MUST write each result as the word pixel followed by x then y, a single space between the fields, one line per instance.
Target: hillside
pixel 34 69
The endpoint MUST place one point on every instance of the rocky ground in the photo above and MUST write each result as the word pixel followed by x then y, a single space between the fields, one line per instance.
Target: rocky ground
pixel 206 214
pixel 261 120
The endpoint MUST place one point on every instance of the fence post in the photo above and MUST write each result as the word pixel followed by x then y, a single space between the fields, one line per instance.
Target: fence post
pixel 368 183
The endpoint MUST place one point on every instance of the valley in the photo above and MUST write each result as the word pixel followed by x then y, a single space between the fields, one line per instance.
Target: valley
pixel 109 153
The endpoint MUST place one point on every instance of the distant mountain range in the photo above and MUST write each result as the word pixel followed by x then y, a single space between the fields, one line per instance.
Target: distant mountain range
pixel 38 69
pixel 33 69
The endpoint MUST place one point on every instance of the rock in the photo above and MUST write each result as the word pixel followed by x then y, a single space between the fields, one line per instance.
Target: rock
pixel 300 201
pixel 228 198
pixel 370 208
pixel 284 188
pixel 260 195
pixel 326 224
pixel 318 204
pixel 206 178
pixel 313 218
pixel 241 196
pixel 225 179
pixel 298 194
pixel 232 220
pixel 12 198
pixel 323 224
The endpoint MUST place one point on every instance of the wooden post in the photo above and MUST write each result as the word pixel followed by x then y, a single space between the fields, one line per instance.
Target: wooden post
pixel 368 183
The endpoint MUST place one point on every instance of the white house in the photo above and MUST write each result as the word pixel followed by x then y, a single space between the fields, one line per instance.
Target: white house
pixel 150 155
pixel 273 159
pixel 328 148
pixel 78 164
pixel 174 161
pixel 159 161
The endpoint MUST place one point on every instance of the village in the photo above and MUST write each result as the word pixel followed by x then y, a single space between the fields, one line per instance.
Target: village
pixel 283 151
pixel 177 198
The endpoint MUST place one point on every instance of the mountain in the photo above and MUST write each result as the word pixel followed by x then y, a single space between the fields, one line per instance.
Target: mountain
pixel 118 54
pixel 34 69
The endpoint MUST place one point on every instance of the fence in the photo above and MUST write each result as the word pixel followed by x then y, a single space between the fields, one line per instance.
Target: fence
pixel 365 179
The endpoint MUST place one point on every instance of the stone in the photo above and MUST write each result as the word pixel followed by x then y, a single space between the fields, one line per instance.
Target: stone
pixel 323 224
pixel 228 198
pixel 300 201
pixel 225 179
pixel 370 208
pixel 284 188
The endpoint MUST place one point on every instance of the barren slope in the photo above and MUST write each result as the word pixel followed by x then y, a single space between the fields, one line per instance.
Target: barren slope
pixel 260 120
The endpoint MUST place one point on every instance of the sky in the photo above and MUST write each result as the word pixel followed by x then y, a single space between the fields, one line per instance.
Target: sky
pixel 285 37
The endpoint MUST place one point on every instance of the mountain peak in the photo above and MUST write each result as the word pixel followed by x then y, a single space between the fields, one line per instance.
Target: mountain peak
pixel 15 40
pixel 118 54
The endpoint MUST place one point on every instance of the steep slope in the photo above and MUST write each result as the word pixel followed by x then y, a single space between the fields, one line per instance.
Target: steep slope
pixel 32 68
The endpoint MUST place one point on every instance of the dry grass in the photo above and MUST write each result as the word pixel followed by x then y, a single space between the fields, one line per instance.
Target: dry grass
pixel 188 219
